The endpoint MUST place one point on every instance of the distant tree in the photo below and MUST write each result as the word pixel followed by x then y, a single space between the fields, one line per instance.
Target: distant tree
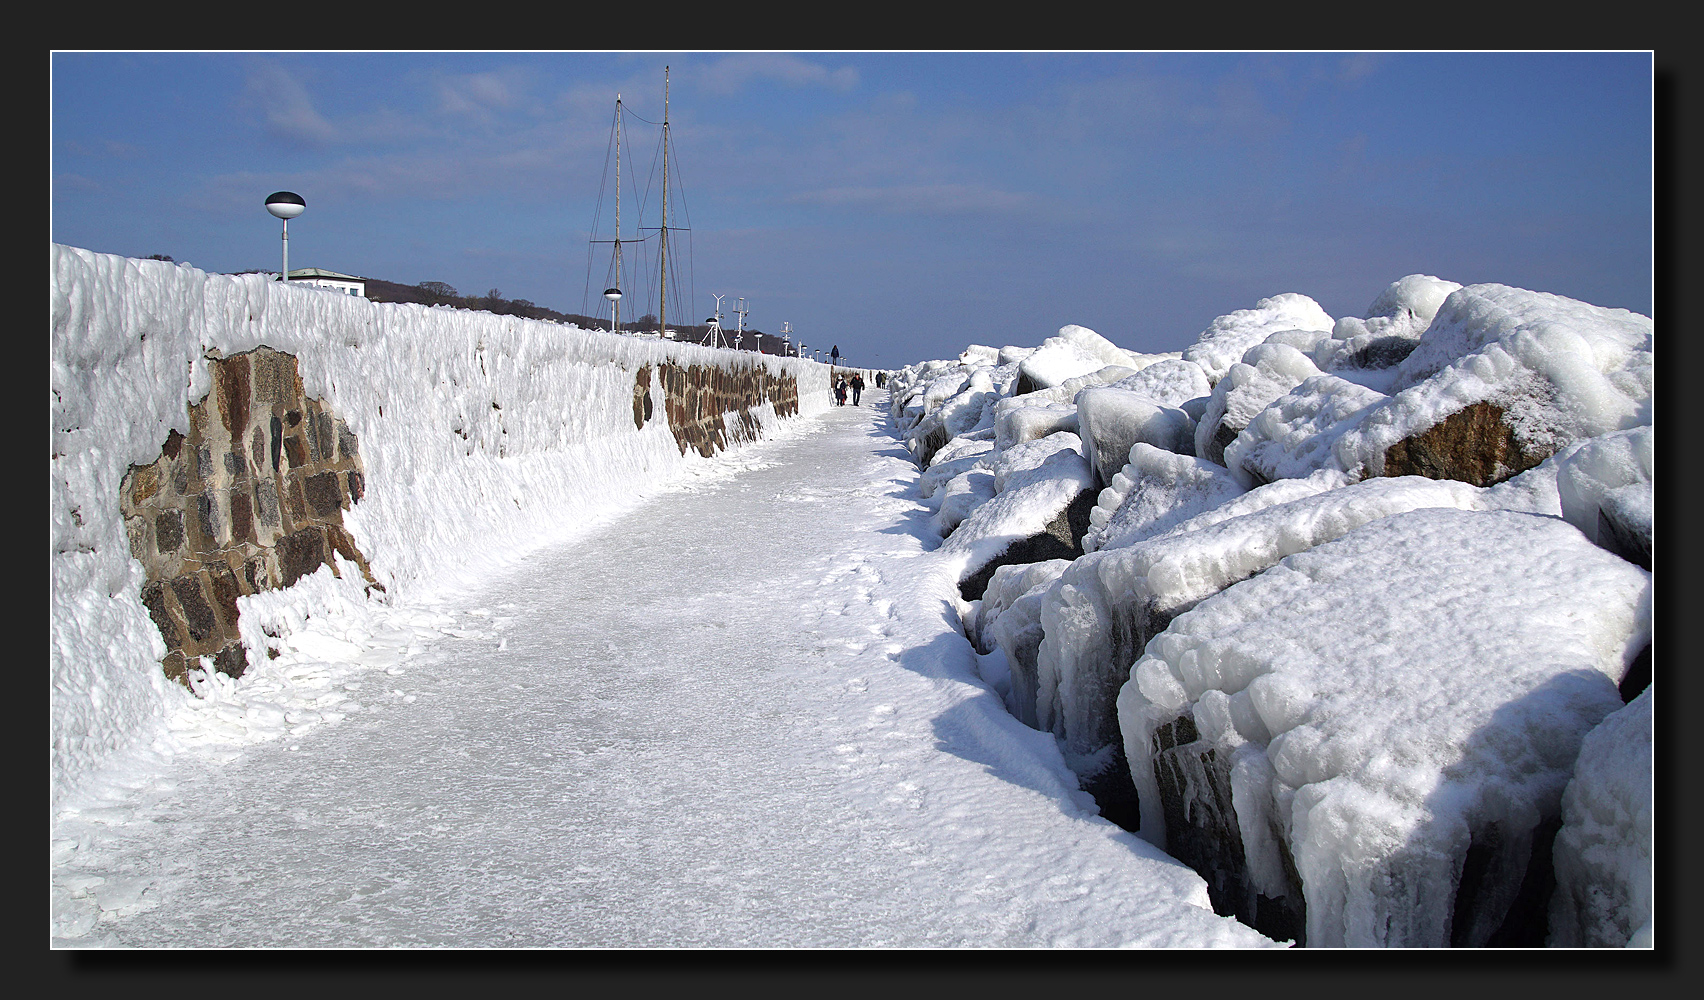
pixel 439 288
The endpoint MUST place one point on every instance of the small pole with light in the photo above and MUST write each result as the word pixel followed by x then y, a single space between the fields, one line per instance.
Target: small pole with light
pixel 285 205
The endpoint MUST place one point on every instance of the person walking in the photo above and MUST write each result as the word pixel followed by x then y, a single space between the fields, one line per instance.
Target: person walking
pixel 857 387
pixel 840 392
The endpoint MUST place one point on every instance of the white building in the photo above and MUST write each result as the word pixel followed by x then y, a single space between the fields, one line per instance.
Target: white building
pixel 345 283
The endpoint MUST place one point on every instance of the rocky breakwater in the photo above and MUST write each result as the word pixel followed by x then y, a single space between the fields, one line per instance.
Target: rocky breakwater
pixel 1354 605
pixel 251 499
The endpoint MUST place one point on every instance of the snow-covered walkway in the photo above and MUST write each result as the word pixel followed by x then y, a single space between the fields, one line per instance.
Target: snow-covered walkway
pixel 740 714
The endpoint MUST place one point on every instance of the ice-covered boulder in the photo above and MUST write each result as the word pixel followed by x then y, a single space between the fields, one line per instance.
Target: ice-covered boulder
pixel 1265 373
pixel 1603 851
pixel 1017 420
pixel 1389 330
pixel 1025 519
pixel 1229 337
pixel 1604 484
pixel 1511 373
pixel 1009 619
pixel 1502 379
pixel 1074 351
pixel 1388 718
pixel 1169 381
pixel 1302 432
pixel 1155 490
pixel 1111 420
pixel 1111 602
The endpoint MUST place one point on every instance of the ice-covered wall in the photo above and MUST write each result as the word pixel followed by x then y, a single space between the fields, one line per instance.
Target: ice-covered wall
pixel 481 436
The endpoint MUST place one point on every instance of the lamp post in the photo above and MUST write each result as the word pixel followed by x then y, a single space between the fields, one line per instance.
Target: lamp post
pixel 285 205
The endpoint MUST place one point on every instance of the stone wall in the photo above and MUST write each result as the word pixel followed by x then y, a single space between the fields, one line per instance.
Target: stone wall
pixel 251 499
pixel 701 399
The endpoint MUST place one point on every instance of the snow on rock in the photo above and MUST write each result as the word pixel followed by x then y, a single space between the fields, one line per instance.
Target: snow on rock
pixel 1229 337
pixel 1032 485
pixel 1155 490
pixel 1074 351
pixel 1169 382
pixel 1550 370
pixel 482 436
pixel 1389 330
pixel 1111 420
pixel 1603 851
pixel 1302 432
pixel 1264 374
pixel 1377 706
pixel 1604 485
pixel 1111 602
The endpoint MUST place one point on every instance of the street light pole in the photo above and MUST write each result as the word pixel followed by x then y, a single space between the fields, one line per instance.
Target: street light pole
pixel 285 205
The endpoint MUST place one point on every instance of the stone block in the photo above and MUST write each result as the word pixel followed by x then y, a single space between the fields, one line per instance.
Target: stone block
pixel 168 531
pixel 323 494
pixel 296 450
pixel 231 377
pixel 1473 445
pixel 144 483
pixel 198 613
pixel 242 517
pixel 154 599
pixel 299 554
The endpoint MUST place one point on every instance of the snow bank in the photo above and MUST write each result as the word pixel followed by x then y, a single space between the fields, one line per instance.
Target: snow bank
pixel 481 436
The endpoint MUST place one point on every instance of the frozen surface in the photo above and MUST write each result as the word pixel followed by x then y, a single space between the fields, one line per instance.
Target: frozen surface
pixel 739 713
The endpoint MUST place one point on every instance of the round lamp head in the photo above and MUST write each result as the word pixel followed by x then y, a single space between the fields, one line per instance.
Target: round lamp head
pixel 612 294
pixel 285 204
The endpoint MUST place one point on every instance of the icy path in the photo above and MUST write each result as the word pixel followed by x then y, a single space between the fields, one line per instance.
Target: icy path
pixel 738 715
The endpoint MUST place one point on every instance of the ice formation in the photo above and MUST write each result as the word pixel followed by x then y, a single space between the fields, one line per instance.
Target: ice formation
pixel 1261 603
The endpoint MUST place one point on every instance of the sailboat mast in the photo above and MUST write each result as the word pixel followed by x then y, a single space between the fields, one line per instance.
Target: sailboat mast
pixel 663 249
pixel 615 303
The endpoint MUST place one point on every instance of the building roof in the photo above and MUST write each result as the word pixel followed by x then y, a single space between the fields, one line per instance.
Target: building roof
pixel 316 272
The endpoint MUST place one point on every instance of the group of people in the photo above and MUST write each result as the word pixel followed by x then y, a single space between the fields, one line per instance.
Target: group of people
pixel 842 385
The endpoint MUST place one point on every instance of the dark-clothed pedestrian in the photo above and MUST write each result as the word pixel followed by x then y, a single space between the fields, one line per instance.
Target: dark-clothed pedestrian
pixel 857 388
pixel 840 392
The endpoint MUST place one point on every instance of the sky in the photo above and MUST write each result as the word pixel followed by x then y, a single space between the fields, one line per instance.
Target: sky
pixel 897 205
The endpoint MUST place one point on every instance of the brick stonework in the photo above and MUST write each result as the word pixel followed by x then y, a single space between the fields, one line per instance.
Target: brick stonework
pixel 699 400
pixel 251 499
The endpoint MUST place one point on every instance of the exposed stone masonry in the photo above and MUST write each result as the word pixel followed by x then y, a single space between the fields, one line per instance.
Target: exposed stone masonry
pixel 252 499
pixel 699 398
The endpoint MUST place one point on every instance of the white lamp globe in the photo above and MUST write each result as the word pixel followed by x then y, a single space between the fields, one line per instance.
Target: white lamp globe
pixel 285 204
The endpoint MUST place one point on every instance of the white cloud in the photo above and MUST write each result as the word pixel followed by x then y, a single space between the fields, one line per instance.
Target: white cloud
pixel 917 199
pixel 288 110
pixel 733 73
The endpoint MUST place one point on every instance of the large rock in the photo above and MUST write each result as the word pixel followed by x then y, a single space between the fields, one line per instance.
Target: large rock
pixel 1398 711
pixel 1603 852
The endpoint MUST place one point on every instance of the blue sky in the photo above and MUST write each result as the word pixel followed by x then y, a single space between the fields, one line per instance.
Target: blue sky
pixel 899 205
